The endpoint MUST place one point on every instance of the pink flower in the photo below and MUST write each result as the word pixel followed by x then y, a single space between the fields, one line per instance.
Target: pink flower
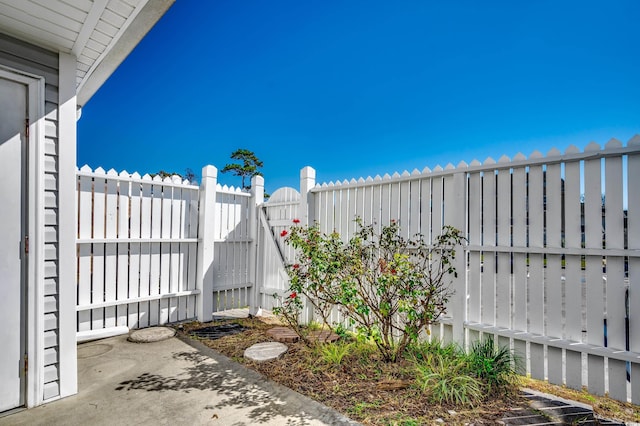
pixel 296 266
pixel 296 221
pixel 284 233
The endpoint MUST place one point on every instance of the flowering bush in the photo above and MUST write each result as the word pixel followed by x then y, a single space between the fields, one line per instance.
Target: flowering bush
pixel 388 287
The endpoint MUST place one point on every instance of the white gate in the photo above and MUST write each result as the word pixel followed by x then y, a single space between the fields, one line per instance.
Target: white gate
pixel 275 218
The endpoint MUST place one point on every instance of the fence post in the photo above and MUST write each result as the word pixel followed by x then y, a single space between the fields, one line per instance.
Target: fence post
pixel 307 182
pixel 257 198
pixel 458 219
pixel 206 226
pixel 305 212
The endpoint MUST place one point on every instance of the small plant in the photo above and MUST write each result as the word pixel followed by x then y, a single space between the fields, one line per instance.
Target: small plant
pixel 446 380
pixel 422 351
pixel 361 407
pixel 493 364
pixel 334 353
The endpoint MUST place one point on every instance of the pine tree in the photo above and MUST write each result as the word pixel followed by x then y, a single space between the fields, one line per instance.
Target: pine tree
pixel 247 169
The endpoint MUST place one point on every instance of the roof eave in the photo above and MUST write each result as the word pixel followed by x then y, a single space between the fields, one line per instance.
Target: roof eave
pixel 146 19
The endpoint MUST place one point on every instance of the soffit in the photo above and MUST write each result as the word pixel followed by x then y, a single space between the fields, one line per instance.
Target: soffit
pixel 99 33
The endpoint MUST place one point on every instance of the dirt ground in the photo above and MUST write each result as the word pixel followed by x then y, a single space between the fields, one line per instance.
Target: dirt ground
pixel 362 387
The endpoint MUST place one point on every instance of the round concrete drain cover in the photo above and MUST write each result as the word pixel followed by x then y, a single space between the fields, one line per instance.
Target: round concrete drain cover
pixel 151 334
pixel 87 351
pixel 261 352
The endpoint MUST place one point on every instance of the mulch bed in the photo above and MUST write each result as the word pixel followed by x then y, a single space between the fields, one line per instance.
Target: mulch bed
pixel 362 387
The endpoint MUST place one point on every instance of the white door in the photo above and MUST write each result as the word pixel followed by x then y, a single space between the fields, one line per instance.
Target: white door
pixel 13 114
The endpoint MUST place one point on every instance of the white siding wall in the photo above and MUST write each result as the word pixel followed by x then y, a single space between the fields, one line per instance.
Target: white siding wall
pixel 34 60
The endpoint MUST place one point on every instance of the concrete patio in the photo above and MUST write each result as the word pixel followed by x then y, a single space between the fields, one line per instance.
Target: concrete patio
pixel 171 382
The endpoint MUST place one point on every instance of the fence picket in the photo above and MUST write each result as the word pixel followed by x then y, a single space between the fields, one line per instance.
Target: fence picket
pixel 149 252
pixel 503 231
pixel 176 254
pixel 136 273
pixel 155 251
pixel 97 278
pixel 110 254
pixel 123 250
pixel 593 239
pixel 85 224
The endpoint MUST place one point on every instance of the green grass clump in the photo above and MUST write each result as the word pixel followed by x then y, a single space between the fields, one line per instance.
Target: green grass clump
pixel 446 380
pixel 446 374
pixel 494 365
pixel 334 353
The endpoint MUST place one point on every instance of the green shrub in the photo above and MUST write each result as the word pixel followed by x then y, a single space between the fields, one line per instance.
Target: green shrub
pixel 388 287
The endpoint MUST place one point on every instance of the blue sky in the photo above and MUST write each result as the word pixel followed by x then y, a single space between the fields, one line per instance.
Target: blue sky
pixel 357 88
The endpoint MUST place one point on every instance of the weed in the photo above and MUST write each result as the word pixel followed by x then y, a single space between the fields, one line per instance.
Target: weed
pixel 420 352
pixel 361 407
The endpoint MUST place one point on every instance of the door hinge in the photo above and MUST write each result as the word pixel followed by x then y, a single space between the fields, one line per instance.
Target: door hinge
pixel 26 244
pixel 26 128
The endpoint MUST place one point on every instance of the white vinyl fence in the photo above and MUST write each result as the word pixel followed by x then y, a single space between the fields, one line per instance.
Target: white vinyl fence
pixel 551 266
pixel 552 260
pixel 148 254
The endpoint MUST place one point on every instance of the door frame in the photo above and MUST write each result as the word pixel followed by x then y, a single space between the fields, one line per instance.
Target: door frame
pixel 33 262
